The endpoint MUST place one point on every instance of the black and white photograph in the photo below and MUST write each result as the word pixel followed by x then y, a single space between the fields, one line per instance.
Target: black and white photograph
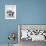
pixel 10 11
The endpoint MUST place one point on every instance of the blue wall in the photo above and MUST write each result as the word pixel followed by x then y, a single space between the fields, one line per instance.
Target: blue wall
pixel 27 12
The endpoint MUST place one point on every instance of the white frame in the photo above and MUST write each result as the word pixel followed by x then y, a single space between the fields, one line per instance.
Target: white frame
pixel 19 31
pixel 11 7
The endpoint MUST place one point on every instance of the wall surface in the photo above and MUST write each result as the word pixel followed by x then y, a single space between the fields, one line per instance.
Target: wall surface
pixel 27 12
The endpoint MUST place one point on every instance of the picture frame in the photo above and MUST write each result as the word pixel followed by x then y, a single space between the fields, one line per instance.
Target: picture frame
pixel 10 11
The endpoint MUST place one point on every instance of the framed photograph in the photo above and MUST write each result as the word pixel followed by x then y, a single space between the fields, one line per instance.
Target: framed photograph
pixel 31 32
pixel 10 11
